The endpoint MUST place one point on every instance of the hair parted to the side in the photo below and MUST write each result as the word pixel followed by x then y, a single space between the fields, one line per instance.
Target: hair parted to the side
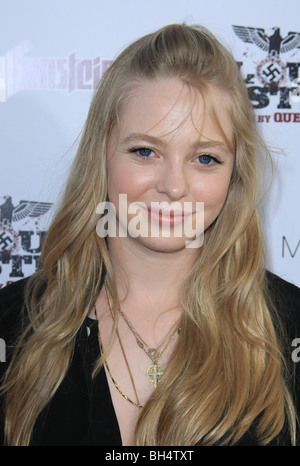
pixel 212 391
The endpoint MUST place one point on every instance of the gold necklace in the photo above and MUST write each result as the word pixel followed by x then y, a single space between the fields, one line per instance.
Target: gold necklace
pixel 137 404
pixel 155 371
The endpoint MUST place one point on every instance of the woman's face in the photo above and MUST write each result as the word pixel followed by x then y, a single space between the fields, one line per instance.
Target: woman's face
pixel 167 149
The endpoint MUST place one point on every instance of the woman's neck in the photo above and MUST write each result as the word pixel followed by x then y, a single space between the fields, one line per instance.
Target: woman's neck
pixel 147 276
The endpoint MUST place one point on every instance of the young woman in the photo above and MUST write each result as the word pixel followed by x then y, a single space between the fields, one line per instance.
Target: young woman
pixel 156 334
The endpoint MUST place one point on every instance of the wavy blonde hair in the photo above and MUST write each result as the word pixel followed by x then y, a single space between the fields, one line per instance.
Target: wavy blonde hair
pixel 234 377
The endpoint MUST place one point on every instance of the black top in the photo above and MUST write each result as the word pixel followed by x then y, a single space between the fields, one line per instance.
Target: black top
pixel 81 411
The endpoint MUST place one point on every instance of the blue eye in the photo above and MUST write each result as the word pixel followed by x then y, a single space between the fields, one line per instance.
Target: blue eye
pixel 142 152
pixel 205 159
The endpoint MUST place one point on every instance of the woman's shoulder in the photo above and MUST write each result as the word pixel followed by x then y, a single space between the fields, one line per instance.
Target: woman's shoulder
pixel 12 295
pixel 285 296
pixel 12 310
pixel 12 313
pixel 286 300
pixel 12 292
pixel 281 285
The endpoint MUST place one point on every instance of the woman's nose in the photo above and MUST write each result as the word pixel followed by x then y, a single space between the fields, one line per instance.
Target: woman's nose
pixel 173 181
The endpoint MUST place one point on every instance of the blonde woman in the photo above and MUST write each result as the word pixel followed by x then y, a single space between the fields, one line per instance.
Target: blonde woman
pixel 126 337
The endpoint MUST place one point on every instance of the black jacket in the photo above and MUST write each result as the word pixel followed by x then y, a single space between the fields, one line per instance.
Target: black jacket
pixel 81 412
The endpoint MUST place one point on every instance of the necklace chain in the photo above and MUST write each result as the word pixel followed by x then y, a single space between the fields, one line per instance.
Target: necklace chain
pixel 153 353
pixel 155 371
pixel 137 403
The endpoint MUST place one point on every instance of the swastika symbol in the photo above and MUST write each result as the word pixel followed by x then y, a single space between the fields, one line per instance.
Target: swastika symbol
pixel 5 241
pixel 272 73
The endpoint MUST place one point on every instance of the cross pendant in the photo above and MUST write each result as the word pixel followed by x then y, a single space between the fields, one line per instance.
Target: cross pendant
pixel 155 373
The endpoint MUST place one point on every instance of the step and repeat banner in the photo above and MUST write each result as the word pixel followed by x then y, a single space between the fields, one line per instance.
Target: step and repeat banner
pixel 52 55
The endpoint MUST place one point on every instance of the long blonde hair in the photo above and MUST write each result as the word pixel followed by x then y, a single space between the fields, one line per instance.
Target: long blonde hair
pixel 216 388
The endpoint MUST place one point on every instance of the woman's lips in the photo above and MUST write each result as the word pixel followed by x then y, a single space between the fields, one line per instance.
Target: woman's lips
pixel 167 217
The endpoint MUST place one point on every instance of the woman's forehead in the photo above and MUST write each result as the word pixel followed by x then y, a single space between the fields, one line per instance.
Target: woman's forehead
pixel 161 107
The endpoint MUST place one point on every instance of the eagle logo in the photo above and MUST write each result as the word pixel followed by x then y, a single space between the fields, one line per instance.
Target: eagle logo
pixel 9 214
pixel 271 70
pixel 273 44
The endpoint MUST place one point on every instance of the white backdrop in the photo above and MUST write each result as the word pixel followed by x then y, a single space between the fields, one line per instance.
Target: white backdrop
pixel 53 52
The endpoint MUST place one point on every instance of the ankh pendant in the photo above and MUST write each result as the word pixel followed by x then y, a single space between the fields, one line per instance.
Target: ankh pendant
pixel 155 373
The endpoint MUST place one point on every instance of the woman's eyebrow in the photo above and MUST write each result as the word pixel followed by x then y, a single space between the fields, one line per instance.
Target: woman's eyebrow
pixel 199 144
pixel 135 137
